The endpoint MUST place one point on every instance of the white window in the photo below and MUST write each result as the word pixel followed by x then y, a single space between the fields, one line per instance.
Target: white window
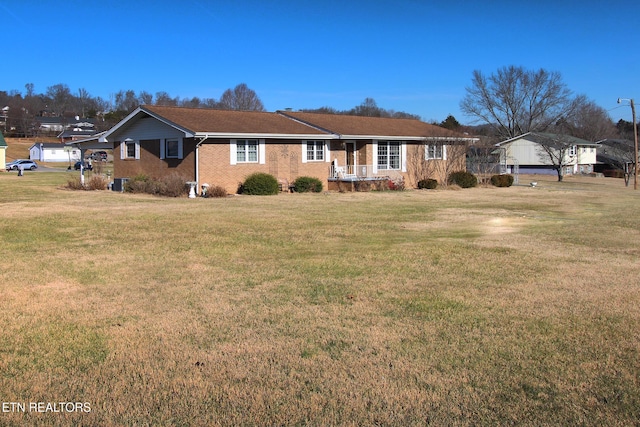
pixel 130 149
pixel 433 151
pixel 572 150
pixel 247 151
pixel 388 155
pixel 315 150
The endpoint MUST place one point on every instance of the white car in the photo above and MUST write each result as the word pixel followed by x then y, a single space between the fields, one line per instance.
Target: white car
pixel 21 163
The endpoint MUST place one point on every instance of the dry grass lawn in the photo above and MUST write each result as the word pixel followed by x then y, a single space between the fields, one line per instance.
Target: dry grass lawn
pixel 486 306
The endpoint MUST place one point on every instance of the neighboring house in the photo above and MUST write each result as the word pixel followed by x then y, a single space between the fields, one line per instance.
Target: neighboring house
pixel 53 152
pixel 3 153
pixel 4 115
pixel 615 156
pixel 56 125
pixel 75 135
pixel 526 154
pixel 77 131
pixel 222 147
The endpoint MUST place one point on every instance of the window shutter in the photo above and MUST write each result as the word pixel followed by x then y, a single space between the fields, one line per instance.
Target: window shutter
pixel 137 150
pixel 123 150
pixel 180 149
pixel 374 148
pixel 327 151
pixel 163 148
pixel 304 151
pixel 233 149
pixel 403 156
pixel 444 152
pixel 261 152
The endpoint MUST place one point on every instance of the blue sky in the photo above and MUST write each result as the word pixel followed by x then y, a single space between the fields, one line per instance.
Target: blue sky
pixel 413 56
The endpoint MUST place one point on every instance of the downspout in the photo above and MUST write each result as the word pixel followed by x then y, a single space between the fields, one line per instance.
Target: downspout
pixel 197 177
pixel 82 166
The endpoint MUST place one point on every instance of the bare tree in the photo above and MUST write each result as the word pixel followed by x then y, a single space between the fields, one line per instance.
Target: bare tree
pixel 60 98
pixel 209 103
pixel 145 98
pixel 560 150
pixel 435 159
pixel 126 101
pixel 620 154
pixel 194 102
pixel 29 87
pixel 589 122
pixel 515 101
pixel 482 159
pixel 417 166
pixel 368 108
pixel 164 99
pixel 241 98
pixel 402 115
pixel 83 100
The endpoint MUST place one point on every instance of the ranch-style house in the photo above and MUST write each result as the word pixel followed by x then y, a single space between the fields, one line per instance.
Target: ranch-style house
pixel 223 147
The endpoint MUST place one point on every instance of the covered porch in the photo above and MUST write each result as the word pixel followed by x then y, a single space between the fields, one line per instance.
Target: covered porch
pixel 359 177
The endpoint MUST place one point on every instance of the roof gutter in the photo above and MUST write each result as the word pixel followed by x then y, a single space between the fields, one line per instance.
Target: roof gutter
pixel 232 135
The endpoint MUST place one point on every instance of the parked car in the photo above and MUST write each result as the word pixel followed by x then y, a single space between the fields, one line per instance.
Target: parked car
pixel 22 163
pixel 99 155
pixel 87 166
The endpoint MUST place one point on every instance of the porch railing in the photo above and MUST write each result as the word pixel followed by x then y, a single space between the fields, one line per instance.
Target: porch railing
pixel 359 172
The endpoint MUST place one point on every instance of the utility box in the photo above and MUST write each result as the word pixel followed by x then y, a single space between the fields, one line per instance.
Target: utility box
pixel 119 183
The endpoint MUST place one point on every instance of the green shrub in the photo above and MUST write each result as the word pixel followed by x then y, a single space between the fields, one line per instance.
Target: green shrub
pixel 429 184
pixel 260 184
pixel 463 179
pixel 502 180
pixel 306 184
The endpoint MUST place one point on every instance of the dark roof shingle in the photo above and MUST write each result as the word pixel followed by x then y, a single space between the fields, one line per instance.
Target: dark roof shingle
pixel 372 126
pixel 202 120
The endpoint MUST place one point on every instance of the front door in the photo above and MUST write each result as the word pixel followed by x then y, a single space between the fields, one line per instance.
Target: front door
pixel 350 151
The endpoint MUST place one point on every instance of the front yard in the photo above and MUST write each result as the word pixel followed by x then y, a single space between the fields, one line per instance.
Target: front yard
pixel 481 306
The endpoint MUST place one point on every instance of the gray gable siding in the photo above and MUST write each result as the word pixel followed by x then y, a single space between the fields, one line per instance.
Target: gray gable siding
pixel 146 129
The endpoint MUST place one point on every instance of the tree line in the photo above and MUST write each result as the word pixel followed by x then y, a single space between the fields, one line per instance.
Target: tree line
pixel 20 111
pixel 507 103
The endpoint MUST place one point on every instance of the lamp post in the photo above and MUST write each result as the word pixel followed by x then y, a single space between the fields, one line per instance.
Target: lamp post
pixel 635 141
